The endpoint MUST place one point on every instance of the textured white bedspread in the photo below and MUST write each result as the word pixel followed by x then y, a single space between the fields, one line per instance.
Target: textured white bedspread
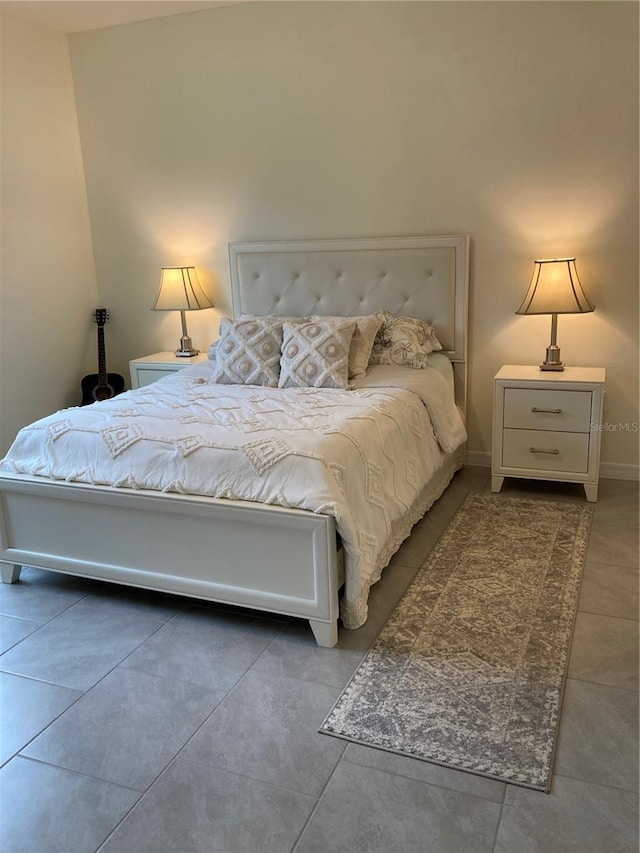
pixel 363 456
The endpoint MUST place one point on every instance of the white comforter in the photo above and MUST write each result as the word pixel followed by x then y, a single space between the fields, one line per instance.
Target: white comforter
pixel 363 456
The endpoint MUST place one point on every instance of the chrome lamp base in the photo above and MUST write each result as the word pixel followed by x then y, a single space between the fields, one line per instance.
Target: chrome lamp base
pixel 186 344
pixel 186 348
pixel 553 361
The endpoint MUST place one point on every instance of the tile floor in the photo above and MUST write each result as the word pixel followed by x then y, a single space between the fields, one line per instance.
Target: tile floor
pixel 136 722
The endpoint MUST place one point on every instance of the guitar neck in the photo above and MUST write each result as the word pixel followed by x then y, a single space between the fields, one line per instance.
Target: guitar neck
pixel 102 358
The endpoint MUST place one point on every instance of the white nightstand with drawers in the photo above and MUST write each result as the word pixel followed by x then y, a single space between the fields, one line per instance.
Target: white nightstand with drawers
pixel 546 425
pixel 147 369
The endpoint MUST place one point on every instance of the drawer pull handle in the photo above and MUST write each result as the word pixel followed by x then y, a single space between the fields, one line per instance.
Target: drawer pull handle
pixel 547 411
pixel 539 450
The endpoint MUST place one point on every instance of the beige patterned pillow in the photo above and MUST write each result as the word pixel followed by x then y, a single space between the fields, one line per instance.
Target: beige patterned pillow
pixel 316 354
pixel 248 352
pixel 406 341
pixel 362 341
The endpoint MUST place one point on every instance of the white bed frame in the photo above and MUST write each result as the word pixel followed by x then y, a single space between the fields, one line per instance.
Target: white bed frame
pixel 264 557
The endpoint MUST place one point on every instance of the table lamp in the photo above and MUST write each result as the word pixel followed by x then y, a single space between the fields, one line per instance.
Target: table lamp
pixel 180 291
pixel 555 289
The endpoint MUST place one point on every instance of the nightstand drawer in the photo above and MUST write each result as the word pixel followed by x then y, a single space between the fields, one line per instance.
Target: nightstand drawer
pixel 147 375
pixel 542 409
pixel 150 368
pixel 544 450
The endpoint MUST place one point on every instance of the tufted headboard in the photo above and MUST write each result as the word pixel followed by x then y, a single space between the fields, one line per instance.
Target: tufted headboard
pixel 424 277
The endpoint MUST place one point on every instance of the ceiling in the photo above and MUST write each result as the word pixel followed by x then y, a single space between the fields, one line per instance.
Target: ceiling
pixel 72 16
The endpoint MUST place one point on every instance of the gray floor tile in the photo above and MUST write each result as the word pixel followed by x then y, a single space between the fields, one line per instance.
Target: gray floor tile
pixel 610 590
pixel 40 596
pixel 294 653
pixel 599 735
pixel 368 811
pixel 26 707
pixel 425 771
pixel 13 630
pixel 158 605
pixel 614 538
pixel 621 497
pixel 604 650
pixel 48 809
pixel 471 478
pixel 127 728
pixel 196 808
pixel 625 491
pixel 79 647
pixel 267 728
pixel 614 516
pixel 576 816
pixel 207 647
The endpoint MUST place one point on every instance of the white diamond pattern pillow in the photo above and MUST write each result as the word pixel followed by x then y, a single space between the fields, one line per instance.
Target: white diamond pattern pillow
pixel 316 354
pixel 248 352
pixel 362 342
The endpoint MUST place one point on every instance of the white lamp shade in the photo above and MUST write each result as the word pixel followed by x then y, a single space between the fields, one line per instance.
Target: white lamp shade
pixel 180 290
pixel 555 289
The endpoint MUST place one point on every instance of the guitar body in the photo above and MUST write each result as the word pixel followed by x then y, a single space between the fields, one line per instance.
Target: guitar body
pixel 92 390
pixel 101 385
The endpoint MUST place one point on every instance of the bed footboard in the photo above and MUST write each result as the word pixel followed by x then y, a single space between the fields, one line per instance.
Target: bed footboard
pixel 238 552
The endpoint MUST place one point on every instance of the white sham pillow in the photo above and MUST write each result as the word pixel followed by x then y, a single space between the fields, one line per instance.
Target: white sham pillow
pixel 405 341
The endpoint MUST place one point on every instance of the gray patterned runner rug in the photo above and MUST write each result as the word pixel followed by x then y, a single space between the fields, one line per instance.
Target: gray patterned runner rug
pixel 469 670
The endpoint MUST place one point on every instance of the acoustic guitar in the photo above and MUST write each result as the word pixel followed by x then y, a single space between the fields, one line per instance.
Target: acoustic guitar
pixel 101 385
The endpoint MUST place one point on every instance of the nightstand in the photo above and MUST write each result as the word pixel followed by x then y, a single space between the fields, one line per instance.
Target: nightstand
pixel 545 425
pixel 149 368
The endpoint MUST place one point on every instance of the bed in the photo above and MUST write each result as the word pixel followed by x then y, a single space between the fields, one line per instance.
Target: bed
pixel 274 556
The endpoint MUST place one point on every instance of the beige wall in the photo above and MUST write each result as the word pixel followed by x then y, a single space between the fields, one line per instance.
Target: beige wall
pixel 48 284
pixel 514 122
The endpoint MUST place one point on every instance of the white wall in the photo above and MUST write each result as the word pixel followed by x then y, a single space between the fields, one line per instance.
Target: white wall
pixel 514 122
pixel 48 285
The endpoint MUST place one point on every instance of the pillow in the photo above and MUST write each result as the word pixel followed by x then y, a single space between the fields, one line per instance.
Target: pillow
pixel 405 341
pixel 316 354
pixel 212 351
pixel 248 352
pixel 361 342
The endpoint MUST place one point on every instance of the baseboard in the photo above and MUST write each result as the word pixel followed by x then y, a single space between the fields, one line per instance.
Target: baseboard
pixel 608 470
pixel 479 457
pixel 616 471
